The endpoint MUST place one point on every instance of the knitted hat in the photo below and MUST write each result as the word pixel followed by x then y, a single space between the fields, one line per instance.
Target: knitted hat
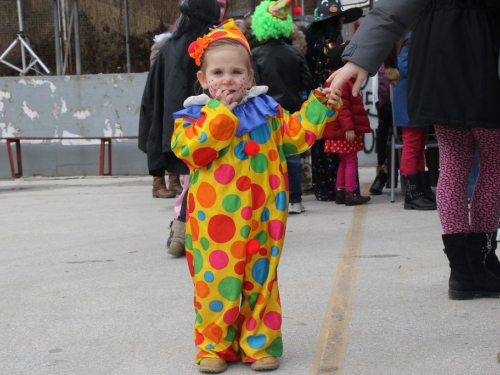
pixel 226 30
pixel 332 8
pixel 272 19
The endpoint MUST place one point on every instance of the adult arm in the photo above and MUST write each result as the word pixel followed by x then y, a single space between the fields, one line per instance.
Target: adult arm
pixel 382 27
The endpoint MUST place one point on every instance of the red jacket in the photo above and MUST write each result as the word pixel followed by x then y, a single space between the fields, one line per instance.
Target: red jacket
pixel 352 115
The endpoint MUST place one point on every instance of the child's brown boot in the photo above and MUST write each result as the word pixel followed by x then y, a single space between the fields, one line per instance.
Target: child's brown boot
pixel 265 364
pixel 212 365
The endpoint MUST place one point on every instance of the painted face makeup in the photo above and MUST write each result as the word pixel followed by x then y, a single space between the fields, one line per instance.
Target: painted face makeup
pixel 226 68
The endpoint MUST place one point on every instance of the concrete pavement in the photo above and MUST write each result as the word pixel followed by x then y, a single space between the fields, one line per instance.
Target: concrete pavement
pixel 87 287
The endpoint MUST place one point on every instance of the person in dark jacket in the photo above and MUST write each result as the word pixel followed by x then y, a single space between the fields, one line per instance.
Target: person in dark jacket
pixel 283 68
pixel 323 34
pixel 170 81
pixel 453 82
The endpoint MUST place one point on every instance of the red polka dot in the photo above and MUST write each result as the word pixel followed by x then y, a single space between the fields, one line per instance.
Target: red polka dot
pixel 251 324
pixel 190 262
pixel 258 196
pixel 221 228
pixel 247 285
pixel 239 268
pixel 243 183
pixel 287 183
pixel 199 338
pixel 191 204
pixel 204 156
pixel 263 252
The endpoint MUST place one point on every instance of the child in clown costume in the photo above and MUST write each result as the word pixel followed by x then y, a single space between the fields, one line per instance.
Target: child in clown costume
pixel 234 142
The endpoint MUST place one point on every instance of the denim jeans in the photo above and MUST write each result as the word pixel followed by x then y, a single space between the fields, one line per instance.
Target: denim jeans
pixel 294 178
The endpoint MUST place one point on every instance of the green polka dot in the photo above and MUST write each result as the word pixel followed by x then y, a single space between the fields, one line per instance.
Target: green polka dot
pixel 281 154
pixel 199 319
pixel 252 300
pixel 275 124
pixel 188 242
pixel 315 112
pixel 198 261
pixel 261 237
pixel 204 243
pixel 245 231
pixel 224 151
pixel 231 203
pixel 231 334
pixel 276 348
pixel 289 149
pixel 230 288
pixel 213 103
pixel 194 177
pixel 174 143
pixel 185 150
pixel 259 163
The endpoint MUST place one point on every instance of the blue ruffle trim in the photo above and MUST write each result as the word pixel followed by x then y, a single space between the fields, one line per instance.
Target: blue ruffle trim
pixel 252 113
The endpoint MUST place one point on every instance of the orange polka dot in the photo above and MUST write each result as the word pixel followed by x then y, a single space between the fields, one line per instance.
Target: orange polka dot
pixel 293 127
pixel 213 332
pixel 239 249
pixel 255 225
pixel 206 195
pixel 273 155
pixel 191 132
pixel 195 228
pixel 202 289
pixel 222 127
pixel 261 299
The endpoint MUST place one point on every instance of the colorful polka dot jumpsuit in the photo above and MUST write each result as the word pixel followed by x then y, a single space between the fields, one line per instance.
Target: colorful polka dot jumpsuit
pixel 237 212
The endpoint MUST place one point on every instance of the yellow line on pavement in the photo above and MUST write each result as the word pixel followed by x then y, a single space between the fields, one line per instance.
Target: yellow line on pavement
pixel 332 344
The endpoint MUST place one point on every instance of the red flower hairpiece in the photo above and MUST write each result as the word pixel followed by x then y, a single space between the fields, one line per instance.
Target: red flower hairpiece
pixel 198 47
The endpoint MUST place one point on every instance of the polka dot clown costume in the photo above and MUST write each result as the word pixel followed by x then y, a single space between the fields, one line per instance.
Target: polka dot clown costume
pixel 237 209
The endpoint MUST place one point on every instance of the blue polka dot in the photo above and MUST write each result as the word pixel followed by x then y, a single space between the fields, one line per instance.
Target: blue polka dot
pixel 330 112
pixel 209 346
pixel 209 165
pixel 209 276
pixel 260 271
pixel 266 214
pixel 203 137
pixel 257 341
pixel 239 151
pixel 281 201
pixel 261 134
pixel 201 215
pixel 216 306
pixel 275 250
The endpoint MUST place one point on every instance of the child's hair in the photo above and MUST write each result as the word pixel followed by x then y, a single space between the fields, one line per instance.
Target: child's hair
pixel 214 45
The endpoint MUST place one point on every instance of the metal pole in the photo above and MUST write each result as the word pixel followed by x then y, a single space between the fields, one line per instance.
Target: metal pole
pixel 371 4
pixel 127 38
pixel 21 32
pixel 78 56
pixel 57 36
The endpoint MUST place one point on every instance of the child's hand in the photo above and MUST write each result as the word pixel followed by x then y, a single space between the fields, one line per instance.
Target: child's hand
pixel 226 98
pixel 333 97
pixel 349 135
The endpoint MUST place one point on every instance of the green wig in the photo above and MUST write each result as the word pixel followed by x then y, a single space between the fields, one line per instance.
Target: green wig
pixel 267 26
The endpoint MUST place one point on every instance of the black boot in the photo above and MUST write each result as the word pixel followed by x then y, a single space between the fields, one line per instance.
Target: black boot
pixel 379 183
pixel 426 186
pixel 414 197
pixel 340 196
pixel 489 245
pixel 469 276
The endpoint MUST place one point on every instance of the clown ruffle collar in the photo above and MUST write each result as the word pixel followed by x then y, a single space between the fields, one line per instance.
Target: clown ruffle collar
pixel 252 112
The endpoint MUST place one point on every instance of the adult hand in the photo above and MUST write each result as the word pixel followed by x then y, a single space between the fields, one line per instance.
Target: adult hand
pixel 344 74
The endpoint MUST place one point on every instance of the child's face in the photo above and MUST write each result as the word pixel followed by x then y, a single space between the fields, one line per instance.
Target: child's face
pixel 222 4
pixel 227 68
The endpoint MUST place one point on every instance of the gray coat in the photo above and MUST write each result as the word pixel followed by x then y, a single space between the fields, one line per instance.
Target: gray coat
pixel 453 58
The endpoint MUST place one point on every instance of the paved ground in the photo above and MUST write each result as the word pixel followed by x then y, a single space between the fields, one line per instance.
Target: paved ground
pixel 86 287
